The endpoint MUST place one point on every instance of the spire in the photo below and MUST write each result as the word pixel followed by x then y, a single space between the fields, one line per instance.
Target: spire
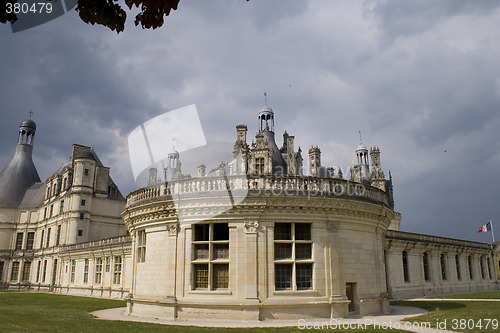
pixel 21 172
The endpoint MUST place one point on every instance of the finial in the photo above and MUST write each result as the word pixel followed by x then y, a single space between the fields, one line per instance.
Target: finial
pixel 173 144
pixel 30 113
pixel 360 141
pixel 265 98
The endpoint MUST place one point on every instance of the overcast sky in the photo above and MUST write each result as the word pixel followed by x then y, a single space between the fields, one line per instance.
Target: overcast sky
pixel 419 79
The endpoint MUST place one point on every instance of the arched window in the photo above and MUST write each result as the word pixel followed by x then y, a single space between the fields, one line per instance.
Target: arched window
pixel 406 271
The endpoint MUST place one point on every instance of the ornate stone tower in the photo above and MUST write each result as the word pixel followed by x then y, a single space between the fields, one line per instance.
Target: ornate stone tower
pixel 21 172
pixel 265 156
pixel 377 177
pixel 314 161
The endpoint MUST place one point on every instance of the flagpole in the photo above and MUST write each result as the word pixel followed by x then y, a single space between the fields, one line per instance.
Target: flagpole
pixel 492 233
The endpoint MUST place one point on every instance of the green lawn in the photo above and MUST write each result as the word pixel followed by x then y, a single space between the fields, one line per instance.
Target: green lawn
pixel 484 295
pixel 462 316
pixel 40 312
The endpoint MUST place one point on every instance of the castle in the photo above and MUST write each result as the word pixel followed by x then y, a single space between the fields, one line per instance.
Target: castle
pixel 253 239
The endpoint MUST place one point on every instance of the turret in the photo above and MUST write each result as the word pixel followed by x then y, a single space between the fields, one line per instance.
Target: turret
pixel 21 172
pixel 314 161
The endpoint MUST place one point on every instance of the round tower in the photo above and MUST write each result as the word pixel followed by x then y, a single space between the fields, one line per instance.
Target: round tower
pixel 21 172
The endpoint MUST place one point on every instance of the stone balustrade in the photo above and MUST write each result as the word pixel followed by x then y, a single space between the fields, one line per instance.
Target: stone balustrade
pixel 273 184
pixel 97 244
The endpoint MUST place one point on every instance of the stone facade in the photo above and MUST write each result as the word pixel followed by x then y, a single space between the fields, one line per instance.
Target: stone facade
pixel 252 239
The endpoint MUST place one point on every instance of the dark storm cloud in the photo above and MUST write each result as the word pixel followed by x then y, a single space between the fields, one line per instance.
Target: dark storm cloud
pixel 398 18
pixel 419 79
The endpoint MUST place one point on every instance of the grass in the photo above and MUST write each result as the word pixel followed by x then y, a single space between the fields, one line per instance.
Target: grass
pixel 463 316
pixel 41 312
pixel 484 295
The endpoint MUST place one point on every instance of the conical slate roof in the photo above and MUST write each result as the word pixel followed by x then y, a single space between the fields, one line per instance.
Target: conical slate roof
pixel 21 172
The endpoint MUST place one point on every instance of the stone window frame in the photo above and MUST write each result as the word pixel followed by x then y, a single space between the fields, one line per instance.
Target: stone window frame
pixel 14 273
pixel 141 245
pixel 471 269
pixel 117 269
pixel 58 234
pixel 30 240
pixel 98 270
pixel 19 241
pixel 406 268
pixel 86 265
pixel 210 257
pixel 426 266
pixel 47 240
pixel 25 276
pixel 443 265
pixel 457 266
pixel 288 267
pixel 489 268
pixel 72 271
pixel 260 164
pixel 481 266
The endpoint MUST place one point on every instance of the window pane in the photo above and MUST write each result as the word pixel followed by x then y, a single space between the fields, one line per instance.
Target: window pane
pixel 221 251
pixel 221 231
pixel 201 232
pixel 283 279
pixel 304 276
pixel 303 251
pixel 201 251
pixel 200 276
pixel 302 231
pixel 282 231
pixel 221 276
pixel 282 251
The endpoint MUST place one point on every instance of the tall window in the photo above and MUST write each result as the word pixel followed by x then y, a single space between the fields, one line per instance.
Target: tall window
pixel 47 243
pixel 30 241
pixel 41 238
pixel 19 241
pixel 61 205
pixel 15 271
pixel 442 259
pixel 38 270
pixel 98 270
pixel 1 270
pixel 211 256
pixel 58 235
pixel 293 263
pixel 457 265
pixel 425 261
pixel 73 270
pixel 141 246
pixel 406 271
pixel 469 264
pixel 51 210
pixel 259 165
pixel 481 264
pixel 26 271
pixel 44 273
pixel 108 264
pixel 117 270
pixel 489 268
pixel 86 271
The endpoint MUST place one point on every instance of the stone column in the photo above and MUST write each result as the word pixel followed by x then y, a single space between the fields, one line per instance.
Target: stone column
pixel 252 302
